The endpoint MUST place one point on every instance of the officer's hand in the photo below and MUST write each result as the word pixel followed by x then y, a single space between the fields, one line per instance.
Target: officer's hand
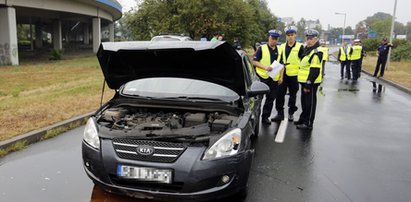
pixel 280 81
pixel 306 90
pixel 269 68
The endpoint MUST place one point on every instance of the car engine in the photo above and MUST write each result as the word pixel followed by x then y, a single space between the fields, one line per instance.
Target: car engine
pixel 146 120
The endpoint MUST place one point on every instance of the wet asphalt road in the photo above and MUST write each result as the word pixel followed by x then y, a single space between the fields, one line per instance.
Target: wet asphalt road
pixel 358 151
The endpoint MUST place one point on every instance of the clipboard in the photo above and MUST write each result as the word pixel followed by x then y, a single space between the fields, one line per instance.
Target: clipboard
pixel 277 67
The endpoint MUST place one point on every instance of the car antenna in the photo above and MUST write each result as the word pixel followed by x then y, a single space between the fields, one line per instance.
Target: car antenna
pixel 102 92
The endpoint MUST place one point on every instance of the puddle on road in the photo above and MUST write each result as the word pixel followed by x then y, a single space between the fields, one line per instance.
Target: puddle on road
pixel 348 86
pixel 377 87
pixel 348 90
pixel 99 195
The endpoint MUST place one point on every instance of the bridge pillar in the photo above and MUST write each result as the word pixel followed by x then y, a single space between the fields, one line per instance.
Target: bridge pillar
pixel 8 37
pixel 96 34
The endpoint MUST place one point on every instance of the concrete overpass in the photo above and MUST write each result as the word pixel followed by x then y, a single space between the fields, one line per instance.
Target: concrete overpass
pixel 54 23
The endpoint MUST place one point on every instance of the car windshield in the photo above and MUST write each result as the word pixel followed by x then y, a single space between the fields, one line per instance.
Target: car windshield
pixel 165 39
pixel 165 87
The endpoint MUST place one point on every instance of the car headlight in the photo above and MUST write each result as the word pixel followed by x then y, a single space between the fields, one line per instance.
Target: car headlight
pixel 91 134
pixel 227 145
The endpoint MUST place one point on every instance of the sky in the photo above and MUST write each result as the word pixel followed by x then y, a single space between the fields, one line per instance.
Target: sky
pixel 324 10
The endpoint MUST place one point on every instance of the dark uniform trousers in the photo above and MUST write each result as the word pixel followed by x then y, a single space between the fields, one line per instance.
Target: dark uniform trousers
pixel 291 83
pixel 380 62
pixel 347 65
pixel 269 97
pixel 308 104
pixel 355 66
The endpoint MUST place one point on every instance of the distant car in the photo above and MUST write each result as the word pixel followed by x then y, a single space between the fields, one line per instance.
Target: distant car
pixel 171 38
pixel 179 125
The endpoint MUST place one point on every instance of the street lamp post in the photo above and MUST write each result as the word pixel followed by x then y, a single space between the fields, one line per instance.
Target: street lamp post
pixel 345 16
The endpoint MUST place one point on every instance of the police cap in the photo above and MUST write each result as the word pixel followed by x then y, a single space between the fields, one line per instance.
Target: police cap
pixel 290 29
pixel 311 32
pixel 274 33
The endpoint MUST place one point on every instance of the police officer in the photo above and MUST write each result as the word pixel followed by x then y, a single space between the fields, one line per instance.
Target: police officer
pixel 357 53
pixel 264 56
pixel 309 77
pixel 291 54
pixel 382 53
pixel 324 50
pixel 344 57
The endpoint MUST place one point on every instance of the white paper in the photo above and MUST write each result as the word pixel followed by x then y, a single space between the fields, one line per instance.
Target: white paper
pixel 277 67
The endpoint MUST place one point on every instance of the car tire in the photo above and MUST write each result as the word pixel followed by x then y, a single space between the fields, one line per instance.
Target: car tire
pixel 242 194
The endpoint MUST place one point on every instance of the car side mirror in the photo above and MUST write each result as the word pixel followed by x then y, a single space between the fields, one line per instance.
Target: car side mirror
pixel 258 88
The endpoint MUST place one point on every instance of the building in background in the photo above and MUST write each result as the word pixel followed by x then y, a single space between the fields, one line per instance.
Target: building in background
pixel 287 20
pixel 55 24
pixel 312 24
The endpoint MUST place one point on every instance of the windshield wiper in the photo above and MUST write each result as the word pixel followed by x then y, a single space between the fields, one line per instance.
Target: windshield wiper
pixel 197 98
pixel 180 137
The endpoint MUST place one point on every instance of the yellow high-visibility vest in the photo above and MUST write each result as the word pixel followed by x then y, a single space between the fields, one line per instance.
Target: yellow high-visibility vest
pixel 293 59
pixel 356 52
pixel 344 57
pixel 306 65
pixel 266 60
pixel 324 50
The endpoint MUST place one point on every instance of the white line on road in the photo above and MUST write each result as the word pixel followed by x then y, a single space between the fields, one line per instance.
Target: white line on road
pixel 279 138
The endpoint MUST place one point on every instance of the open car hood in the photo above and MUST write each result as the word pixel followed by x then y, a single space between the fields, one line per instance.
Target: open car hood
pixel 215 62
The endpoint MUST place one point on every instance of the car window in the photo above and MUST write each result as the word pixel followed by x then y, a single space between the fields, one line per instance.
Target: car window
pixel 177 87
pixel 171 38
pixel 165 39
pixel 251 69
pixel 247 71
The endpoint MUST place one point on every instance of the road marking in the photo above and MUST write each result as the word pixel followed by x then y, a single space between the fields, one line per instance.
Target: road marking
pixel 279 138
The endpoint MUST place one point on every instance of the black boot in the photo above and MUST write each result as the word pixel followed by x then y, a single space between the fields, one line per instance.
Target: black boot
pixel 304 127
pixel 278 118
pixel 290 117
pixel 265 121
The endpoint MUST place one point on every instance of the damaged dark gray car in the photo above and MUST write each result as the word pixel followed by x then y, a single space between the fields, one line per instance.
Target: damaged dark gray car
pixel 179 125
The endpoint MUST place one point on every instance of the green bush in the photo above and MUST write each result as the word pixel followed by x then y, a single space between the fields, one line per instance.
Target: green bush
pixel 56 54
pixel 399 42
pixel 371 44
pixel 402 52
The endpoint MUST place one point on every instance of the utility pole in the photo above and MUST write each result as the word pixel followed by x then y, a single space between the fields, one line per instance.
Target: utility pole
pixel 391 34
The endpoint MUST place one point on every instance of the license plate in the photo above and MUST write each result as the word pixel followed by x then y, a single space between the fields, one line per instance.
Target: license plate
pixel 145 174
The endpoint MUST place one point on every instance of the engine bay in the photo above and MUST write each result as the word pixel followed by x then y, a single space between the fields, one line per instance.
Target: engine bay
pixel 163 122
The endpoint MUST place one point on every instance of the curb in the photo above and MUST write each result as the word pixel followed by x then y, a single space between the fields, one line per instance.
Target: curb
pixel 43 133
pixel 398 86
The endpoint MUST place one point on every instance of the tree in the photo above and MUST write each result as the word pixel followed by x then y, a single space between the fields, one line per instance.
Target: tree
pixel 262 20
pixel 248 20
pixel 381 24
pixel 301 26
pixel 408 31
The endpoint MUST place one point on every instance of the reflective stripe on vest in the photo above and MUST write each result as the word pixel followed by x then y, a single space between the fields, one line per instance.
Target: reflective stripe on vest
pixel 266 60
pixel 306 65
pixel 356 52
pixel 293 59
pixel 344 57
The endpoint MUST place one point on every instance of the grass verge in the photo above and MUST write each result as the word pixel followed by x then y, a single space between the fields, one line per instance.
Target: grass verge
pixel 38 95
pixel 398 72
pixel 15 147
